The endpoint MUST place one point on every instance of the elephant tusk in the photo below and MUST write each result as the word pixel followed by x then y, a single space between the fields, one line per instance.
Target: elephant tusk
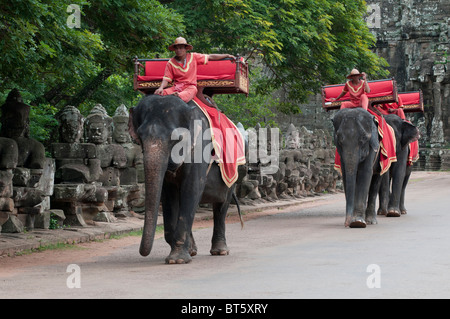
pixel 209 167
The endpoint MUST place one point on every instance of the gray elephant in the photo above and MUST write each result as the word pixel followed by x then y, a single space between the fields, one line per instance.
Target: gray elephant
pixel 392 185
pixel 356 140
pixel 180 184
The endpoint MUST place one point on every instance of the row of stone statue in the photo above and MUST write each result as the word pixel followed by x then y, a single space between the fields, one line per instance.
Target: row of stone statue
pixel 95 172
pixel 305 167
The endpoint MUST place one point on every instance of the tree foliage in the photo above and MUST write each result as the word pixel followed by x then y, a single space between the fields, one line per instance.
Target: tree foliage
pixel 252 109
pixel 296 45
pixel 43 55
pixel 302 43
pixel 321 40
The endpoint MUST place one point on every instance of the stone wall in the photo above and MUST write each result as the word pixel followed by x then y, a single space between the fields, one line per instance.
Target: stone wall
pixel 95 172
pixel 304 165
pixel 413 36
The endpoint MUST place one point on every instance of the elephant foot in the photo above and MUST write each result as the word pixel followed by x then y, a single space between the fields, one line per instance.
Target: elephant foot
pixel 371 220
pixel 358 222
pixel 178 256
pixel 219 249
pixel 393 213
pixel 193 251
pixel 381 211
pixel 404 212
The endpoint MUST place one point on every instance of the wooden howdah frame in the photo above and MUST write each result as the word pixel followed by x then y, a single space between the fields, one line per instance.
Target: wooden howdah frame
pixel 388 95
pixel 412 101
pixel 238 83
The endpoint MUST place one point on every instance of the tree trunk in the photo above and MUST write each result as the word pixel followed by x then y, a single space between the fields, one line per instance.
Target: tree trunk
pixel 89 89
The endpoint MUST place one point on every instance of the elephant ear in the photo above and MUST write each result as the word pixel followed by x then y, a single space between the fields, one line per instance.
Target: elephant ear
pixel 374 138
pixel 336 120
pixel 131 128
pixel 410 133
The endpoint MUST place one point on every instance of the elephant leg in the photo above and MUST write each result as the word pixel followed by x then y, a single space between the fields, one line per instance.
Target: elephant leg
pixel 170 205
pixel 363 182
pixel 384 194
pixel 190 192
pixel 398 177
pixel 349 189
pixel 371 216
pixel 218 242
pixel 405 183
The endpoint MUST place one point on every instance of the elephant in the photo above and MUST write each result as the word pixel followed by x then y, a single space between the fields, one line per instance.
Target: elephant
pixel 179 184
pixel 357 142
pixel 391 186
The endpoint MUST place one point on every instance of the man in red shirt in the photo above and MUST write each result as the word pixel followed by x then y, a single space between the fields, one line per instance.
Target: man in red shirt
pixel 181 70
pixel 357 90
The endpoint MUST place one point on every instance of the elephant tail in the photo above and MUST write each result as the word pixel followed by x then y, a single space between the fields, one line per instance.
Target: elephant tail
pixel 239 209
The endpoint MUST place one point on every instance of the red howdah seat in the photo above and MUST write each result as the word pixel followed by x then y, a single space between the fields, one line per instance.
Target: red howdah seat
pixel 381 91
pixel 216 77
pixel 412 101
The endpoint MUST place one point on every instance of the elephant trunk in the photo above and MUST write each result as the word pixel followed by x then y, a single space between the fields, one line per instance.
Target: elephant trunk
pixel 155 166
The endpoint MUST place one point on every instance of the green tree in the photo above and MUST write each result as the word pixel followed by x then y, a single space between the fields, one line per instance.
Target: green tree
pixel 62 65
pixel 252 109
pixel 298 46
pixel 303 43
pixel 54 65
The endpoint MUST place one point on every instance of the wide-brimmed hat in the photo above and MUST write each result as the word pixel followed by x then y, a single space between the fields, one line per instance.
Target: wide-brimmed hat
pixel 180 41
pixel 352 73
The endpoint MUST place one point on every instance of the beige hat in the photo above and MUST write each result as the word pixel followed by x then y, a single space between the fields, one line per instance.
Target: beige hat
pixel 179 41
pixel 352 73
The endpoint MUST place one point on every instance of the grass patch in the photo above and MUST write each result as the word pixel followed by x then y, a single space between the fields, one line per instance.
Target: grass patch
pixel 159 230
pixel 76 246
pixel 129 234
pixel 57 246
pixel 415 180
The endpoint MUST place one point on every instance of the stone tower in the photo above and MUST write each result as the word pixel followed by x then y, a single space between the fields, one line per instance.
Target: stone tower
pixel 413 36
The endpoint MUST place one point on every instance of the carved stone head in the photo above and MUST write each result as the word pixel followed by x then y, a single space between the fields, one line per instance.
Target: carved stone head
pixel 120 133
pixel 15 116
pixel 70 124
pixel 98 126
pixel 292 137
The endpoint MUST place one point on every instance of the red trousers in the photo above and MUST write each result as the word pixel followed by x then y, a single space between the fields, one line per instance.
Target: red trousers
pixel 185 92
pixel 363 102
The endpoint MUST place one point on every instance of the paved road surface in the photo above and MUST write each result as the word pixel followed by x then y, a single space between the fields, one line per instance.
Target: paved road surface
pixel 304 252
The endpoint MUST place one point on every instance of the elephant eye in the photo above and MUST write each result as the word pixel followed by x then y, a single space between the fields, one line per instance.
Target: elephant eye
pixel 364 138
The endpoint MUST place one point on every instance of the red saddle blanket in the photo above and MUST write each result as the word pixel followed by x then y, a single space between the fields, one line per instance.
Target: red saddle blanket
pixel 413 152
pixel 387 145
pixel 228 142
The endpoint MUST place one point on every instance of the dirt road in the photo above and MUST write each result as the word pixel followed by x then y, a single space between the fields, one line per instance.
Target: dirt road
pixel 301 252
